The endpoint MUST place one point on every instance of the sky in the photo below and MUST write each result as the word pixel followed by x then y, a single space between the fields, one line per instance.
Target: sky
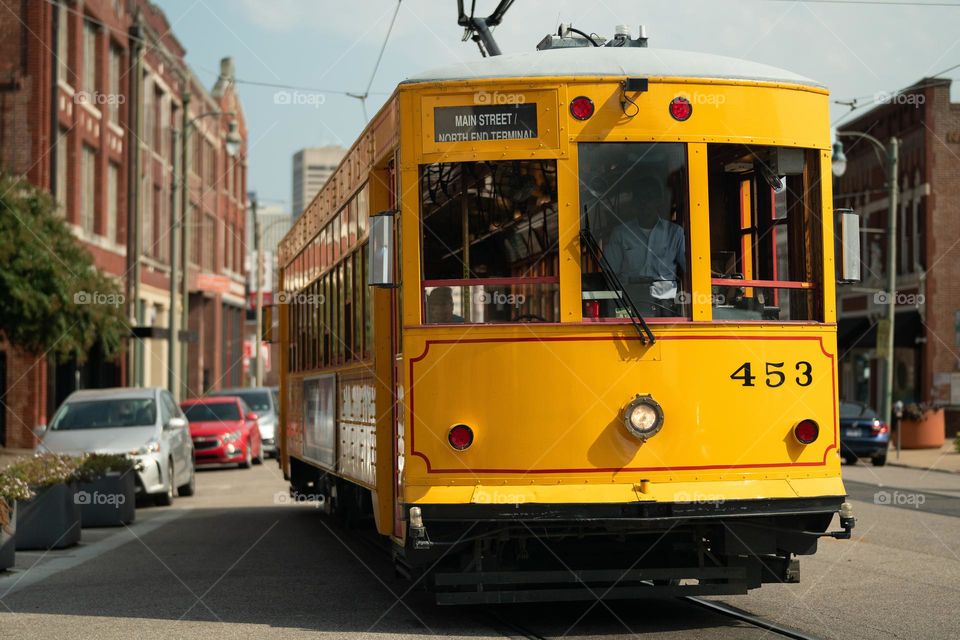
pixel 329 47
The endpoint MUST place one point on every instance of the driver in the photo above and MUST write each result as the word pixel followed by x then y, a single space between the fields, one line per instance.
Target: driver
pixel 647 251
pixel 440 307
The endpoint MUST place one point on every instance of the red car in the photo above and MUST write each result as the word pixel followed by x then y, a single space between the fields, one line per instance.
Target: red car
pixel 224 431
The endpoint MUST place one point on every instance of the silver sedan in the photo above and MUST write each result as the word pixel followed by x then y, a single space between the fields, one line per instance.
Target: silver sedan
pixel 145 424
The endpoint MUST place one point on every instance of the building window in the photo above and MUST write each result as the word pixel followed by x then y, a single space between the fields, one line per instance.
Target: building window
pixel 63 49
pixel 209 165
pixel 209 242
pixel 158 237
pixel 62 154
pixel 149 114
pixel 113 181
pixel 195 226
pixel 113 85
pixel 146 218
pixel 89 56
pixel 159 126
pixel 88 183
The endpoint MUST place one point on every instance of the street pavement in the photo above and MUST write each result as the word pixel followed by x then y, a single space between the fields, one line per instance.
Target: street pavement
pixel 238 560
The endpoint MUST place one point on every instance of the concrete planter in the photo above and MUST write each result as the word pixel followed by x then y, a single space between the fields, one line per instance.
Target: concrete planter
pixel 108 501
pixel 927 433
pixel 8 526
pixel 51 520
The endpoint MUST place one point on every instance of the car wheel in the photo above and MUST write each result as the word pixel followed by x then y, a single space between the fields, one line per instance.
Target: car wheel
pixel 880 460
pixel 249 459
pixel 191 487
pixel 165 499
pixel 258 459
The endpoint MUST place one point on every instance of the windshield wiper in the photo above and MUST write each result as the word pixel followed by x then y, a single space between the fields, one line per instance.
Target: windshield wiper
pixel 613 282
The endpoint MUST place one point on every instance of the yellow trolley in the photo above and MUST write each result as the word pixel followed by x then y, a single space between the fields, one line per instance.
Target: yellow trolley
pixel 567 318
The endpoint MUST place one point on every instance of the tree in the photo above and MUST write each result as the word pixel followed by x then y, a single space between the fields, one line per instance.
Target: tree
pixel 53 299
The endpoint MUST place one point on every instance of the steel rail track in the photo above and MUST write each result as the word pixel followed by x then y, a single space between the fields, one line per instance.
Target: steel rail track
pixel 749 618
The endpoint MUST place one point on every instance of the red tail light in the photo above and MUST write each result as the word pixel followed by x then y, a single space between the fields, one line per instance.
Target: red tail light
pixel 806 431
pixel 581 107
pixel 680 108
pixel 879 428
pixel 460 437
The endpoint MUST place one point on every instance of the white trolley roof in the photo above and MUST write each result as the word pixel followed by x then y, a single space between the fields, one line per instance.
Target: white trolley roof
pixel 632 62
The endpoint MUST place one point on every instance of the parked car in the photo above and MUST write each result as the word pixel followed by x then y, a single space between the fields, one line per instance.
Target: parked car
pixel 862 434
pixel 224 430
pixel 146 424
pixel 263 402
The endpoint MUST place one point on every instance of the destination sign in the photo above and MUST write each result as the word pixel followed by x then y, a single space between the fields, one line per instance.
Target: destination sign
pixel 485 122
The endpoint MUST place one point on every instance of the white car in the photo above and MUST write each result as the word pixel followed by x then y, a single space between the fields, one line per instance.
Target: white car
pixel 145 424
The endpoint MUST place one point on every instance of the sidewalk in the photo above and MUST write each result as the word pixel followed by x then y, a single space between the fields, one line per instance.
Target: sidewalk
pixel 945 458
pixel 9 455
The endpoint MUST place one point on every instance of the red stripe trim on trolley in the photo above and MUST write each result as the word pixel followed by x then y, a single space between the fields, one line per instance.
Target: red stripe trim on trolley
pixel 769 284
pixel 490 282
pixel 759 465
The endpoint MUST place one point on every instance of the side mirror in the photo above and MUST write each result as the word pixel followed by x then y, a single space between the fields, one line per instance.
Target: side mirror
pixel 40 430
pixel 849 266
pixel 252 416
pixel 382 250
pixel 175 423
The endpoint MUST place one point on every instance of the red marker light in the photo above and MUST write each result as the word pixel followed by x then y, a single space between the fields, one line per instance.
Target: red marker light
pixel 460 437
pixel 581 107
pixel 680 108
pixel 806 431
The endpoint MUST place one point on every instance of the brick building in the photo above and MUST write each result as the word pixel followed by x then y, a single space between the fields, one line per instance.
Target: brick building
pixel 927 335
pixel 91 92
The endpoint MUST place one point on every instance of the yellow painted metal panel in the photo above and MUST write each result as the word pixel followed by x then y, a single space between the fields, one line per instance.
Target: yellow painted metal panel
pixel 546 403
pixel 706 493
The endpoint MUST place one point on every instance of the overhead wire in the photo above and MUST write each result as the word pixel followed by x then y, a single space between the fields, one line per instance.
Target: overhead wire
pixel 855 104
pixel 362 97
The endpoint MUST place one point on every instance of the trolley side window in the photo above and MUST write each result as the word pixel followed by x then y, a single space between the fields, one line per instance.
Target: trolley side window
pixel 634 203
pixel 489 242
pixel 764 240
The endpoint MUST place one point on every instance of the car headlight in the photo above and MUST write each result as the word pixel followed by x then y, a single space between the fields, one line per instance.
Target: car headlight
pixel 232 436
pixel 643 417
pixel 152 446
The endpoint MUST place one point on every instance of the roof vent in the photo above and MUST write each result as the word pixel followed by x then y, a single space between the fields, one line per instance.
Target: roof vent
pixel 569 38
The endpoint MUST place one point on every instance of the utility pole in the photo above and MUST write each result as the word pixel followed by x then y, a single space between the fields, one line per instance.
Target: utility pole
pixel 184 238
pixel 885 330
pixel 258 283
pixel 893 162
pixel 134 213
pixel 173 339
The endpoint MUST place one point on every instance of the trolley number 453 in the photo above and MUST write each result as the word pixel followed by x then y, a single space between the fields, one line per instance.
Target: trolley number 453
pixel 775 376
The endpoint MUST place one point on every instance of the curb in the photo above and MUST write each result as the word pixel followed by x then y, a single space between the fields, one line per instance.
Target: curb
pixel 903 465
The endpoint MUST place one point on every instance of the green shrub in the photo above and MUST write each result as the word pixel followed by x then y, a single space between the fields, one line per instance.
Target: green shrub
pixel 96 465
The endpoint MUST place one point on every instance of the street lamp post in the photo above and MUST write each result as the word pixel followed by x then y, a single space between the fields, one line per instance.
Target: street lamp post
pixel 180 270
pixel 258 233
pixel 892 153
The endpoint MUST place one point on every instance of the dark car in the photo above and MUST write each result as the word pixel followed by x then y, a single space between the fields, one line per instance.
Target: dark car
pixel 862 434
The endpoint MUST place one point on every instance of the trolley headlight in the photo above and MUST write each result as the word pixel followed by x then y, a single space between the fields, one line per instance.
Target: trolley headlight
pixel 643 417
